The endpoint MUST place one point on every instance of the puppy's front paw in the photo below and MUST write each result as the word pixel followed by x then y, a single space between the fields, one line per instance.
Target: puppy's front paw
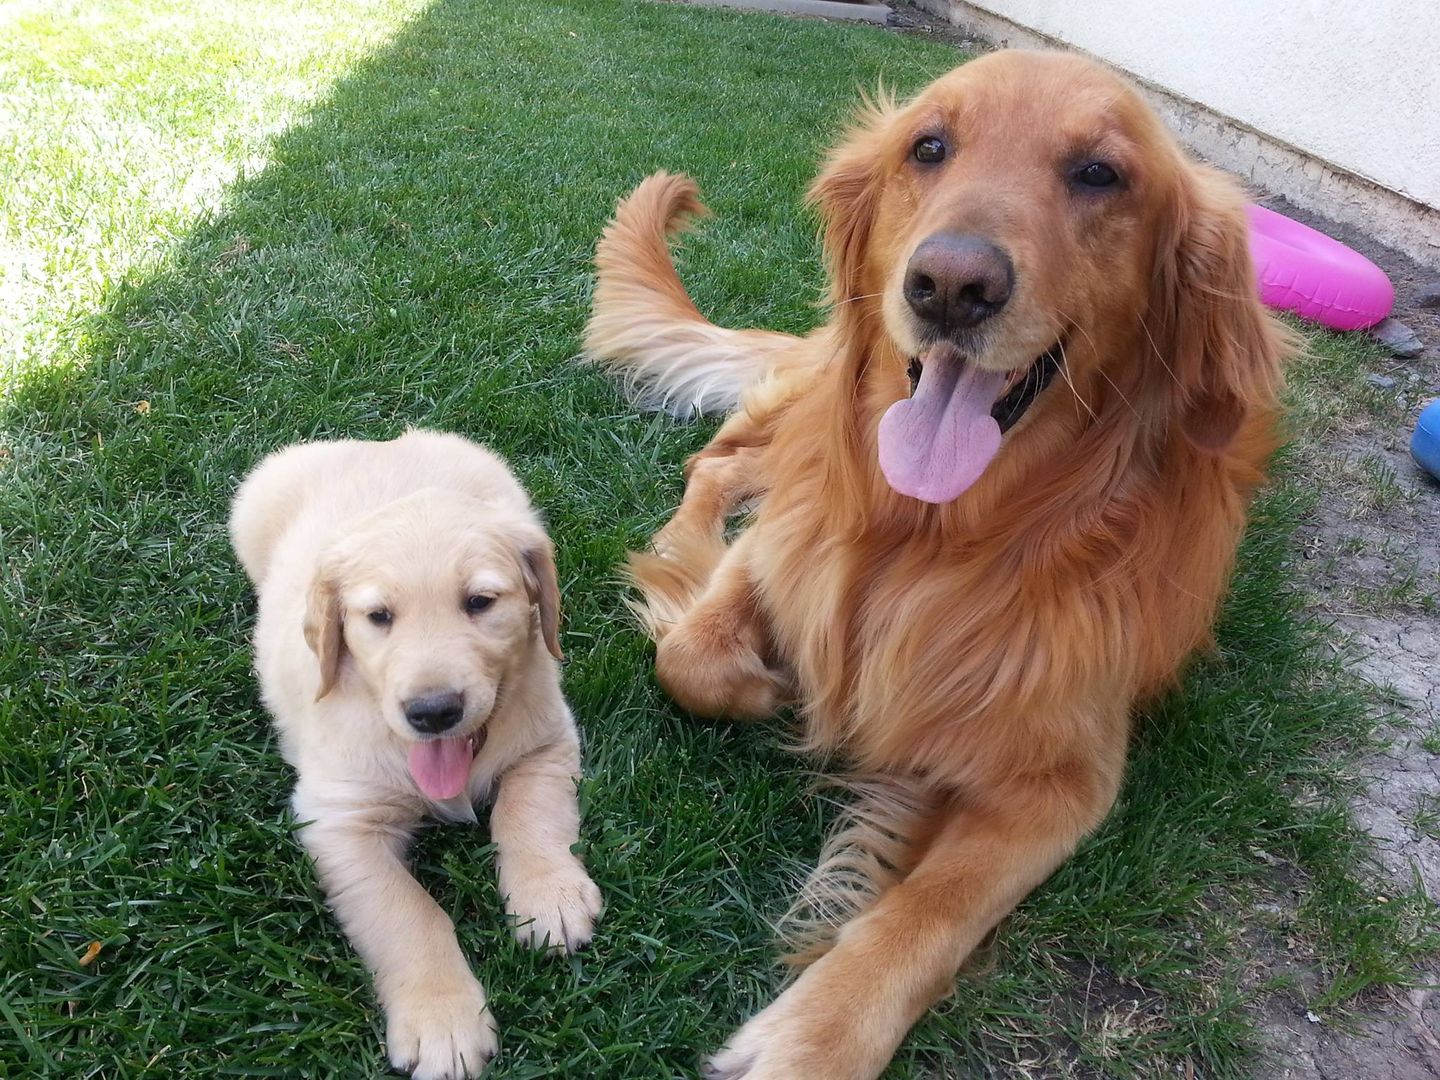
pixel 554 908
pixel 442 1035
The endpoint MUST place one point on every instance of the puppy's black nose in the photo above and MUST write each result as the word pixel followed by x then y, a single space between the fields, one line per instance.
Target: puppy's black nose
pixel 433 713
pixel 956 282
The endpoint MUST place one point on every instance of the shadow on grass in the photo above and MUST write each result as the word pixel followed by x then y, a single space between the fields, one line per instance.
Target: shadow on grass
pixel 417 252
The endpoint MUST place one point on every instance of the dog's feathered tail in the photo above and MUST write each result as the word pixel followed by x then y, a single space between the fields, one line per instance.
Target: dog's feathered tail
pixel 644 326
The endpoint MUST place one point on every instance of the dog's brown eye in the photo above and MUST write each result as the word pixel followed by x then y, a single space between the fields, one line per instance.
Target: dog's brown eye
pixel 1097 175
pixel 929 150
pixel 381 617
pixel 478 603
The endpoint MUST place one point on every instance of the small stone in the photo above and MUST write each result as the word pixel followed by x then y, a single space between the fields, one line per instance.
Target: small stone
pixel 1383 382
pixel 1428 295
pixel 1398 338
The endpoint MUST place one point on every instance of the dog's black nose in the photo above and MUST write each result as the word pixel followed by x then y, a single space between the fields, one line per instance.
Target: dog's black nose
pixel 956 282
pixel 433 713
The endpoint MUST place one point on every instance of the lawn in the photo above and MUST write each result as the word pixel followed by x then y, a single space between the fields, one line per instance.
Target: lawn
pixel 228 227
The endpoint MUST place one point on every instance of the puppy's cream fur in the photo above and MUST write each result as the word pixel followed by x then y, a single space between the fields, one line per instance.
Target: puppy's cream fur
pixel 329 533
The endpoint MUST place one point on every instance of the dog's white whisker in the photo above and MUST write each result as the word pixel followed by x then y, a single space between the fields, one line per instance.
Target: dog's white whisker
pixel 1064 371
pixel 1101 372
pixel 1158 355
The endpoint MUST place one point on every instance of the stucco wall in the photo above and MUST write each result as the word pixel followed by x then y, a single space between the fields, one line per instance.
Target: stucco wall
pixel 1356 85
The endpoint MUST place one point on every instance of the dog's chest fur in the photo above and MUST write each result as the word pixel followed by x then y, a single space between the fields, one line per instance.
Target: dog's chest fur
pixel 900 652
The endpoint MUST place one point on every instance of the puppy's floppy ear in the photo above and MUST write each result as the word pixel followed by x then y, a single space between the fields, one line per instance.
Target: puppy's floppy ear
pixel 847 194
pixel 325 627
pixel 537 563
pixel 1209 326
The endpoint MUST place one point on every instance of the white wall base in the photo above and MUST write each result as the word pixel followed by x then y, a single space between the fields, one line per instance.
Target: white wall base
pixel 1315 185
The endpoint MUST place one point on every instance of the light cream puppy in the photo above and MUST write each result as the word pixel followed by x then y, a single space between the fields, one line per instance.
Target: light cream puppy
pixel 406 645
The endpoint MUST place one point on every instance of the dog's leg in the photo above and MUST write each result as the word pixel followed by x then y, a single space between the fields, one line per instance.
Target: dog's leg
pixel 716 483
pixel 534 823
pixel 686 551
pixel 845 1016
pixel 713 660
pixel 438 1026
pixel 717 480
pixel 729 471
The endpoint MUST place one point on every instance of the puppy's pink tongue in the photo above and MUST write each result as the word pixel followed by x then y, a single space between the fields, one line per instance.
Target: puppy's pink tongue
pixel 442 766
pixel 936 443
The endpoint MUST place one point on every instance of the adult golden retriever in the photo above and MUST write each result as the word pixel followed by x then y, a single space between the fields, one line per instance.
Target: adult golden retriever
pixel 406 645
pixel 999 496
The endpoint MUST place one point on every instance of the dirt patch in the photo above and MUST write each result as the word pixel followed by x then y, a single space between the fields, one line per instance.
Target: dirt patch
pixel 1372 563
pixel 1399 1044
pixel 908 19
pixel 1371 559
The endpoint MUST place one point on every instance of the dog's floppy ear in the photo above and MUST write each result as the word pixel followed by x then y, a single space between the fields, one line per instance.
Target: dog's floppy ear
pixel 1221 345
pixel 325 627
pixel 847 194
pixel 537 562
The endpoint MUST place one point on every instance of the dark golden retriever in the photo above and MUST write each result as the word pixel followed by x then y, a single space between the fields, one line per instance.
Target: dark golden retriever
pixel 999 495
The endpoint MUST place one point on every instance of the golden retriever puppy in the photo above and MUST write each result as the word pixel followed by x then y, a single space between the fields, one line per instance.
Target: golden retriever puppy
pixel 406 645
pixel 999 496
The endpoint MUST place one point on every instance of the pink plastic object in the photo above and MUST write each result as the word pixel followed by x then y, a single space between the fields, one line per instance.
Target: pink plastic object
pixel 1317 278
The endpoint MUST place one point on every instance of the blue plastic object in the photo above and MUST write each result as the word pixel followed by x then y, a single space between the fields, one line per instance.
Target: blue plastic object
pixel 1425 443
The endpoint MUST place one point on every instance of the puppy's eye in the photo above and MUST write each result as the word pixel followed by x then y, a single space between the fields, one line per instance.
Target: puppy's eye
pixel 929 150
pixel 381 617
pixel 1097 175
pixel 478 603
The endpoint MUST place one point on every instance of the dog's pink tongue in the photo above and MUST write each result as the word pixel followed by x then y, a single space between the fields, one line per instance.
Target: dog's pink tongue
pixel 442 766
pixel 936 443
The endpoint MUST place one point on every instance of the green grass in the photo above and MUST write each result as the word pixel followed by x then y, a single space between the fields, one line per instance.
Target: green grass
pixel 1425 816
pixel 224 232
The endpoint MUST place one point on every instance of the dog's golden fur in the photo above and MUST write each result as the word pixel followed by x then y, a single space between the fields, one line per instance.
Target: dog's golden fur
pixel 980 659
pixel 330 533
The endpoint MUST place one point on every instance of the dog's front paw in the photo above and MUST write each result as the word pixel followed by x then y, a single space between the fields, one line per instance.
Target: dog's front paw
pixel 442 1035
pixel 719 673
pixel 760 1050
pixel 554 908
pixel 818 1029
